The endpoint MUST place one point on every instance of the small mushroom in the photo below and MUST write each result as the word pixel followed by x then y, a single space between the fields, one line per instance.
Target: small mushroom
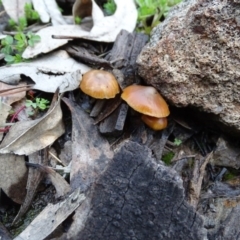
pixel 148 101
pixel 154 123
pixel 99 84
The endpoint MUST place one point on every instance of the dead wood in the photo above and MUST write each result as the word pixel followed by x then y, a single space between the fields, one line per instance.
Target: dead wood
pixel 84 55
pixel 50 218
pixel 114 124
pixel 197 178
pixel 136 198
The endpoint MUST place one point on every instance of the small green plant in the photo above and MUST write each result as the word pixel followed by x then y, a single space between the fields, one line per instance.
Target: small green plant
pixel 13 47
pixel 150 12
pixel 177 142
pixel 30 16
pixel 37 104
pixel 77 20
pixel 110 7
pixel 167 158
pixel 20 26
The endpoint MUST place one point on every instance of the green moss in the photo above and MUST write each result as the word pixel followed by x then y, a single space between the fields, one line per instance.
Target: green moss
pixel 167 158
pixel 229 175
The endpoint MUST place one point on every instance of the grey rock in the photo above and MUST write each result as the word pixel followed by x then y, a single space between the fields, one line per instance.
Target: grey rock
pixel 193 58
pixel 227 154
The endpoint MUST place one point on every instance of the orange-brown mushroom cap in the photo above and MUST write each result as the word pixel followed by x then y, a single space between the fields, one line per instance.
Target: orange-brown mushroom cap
pixel 146 100
pixel 99 84
pixel 154 123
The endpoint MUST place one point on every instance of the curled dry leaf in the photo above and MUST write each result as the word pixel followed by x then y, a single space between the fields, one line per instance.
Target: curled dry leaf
pixel 82 8
pixel 13 176
pixel 15 8
pixel 49 9
pixel 105 28
pixel 42 10
pixel 31 136
pixel 46 74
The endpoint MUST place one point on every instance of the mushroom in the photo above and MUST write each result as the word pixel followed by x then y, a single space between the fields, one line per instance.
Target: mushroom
pixel 99 84
pixel 154 123
pixel 148 101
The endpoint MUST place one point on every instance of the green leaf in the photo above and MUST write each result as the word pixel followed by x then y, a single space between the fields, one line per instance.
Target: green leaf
pixel 22 24
pixel 33 39
pixel 12 23
pixel 77 20
pixel 30 103
pixel 42 103
pixel 7 50
pixel 8 40
pixel 177 142
pixel 9 59
pixel 110 7
pixel 18 58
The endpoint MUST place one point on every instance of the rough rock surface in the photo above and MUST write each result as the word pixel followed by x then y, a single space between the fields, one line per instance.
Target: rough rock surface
pixel 193 58
pixel 220 206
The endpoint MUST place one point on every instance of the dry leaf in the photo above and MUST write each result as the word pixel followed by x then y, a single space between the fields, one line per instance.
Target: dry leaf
pixel 90 151
pixel 33 180
pixel 54 70
pixel 105 28
pixel 12 97
pixel 15 8
pixel 4 112
pixel 42 10
pixel 13 176
pixel 48 9
pixel 31 136
pixel 82 9
pixel 61 185
pixel 54 12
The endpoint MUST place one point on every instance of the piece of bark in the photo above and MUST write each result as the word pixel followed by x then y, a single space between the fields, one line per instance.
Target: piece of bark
pixel 113 125
pixel 109 107
pixel 124 54
pixel 159 142
pixel 51 217
pixel 90 151
pixel 136 198
pixel 196 181
pixel 86 56
pixel 97 108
